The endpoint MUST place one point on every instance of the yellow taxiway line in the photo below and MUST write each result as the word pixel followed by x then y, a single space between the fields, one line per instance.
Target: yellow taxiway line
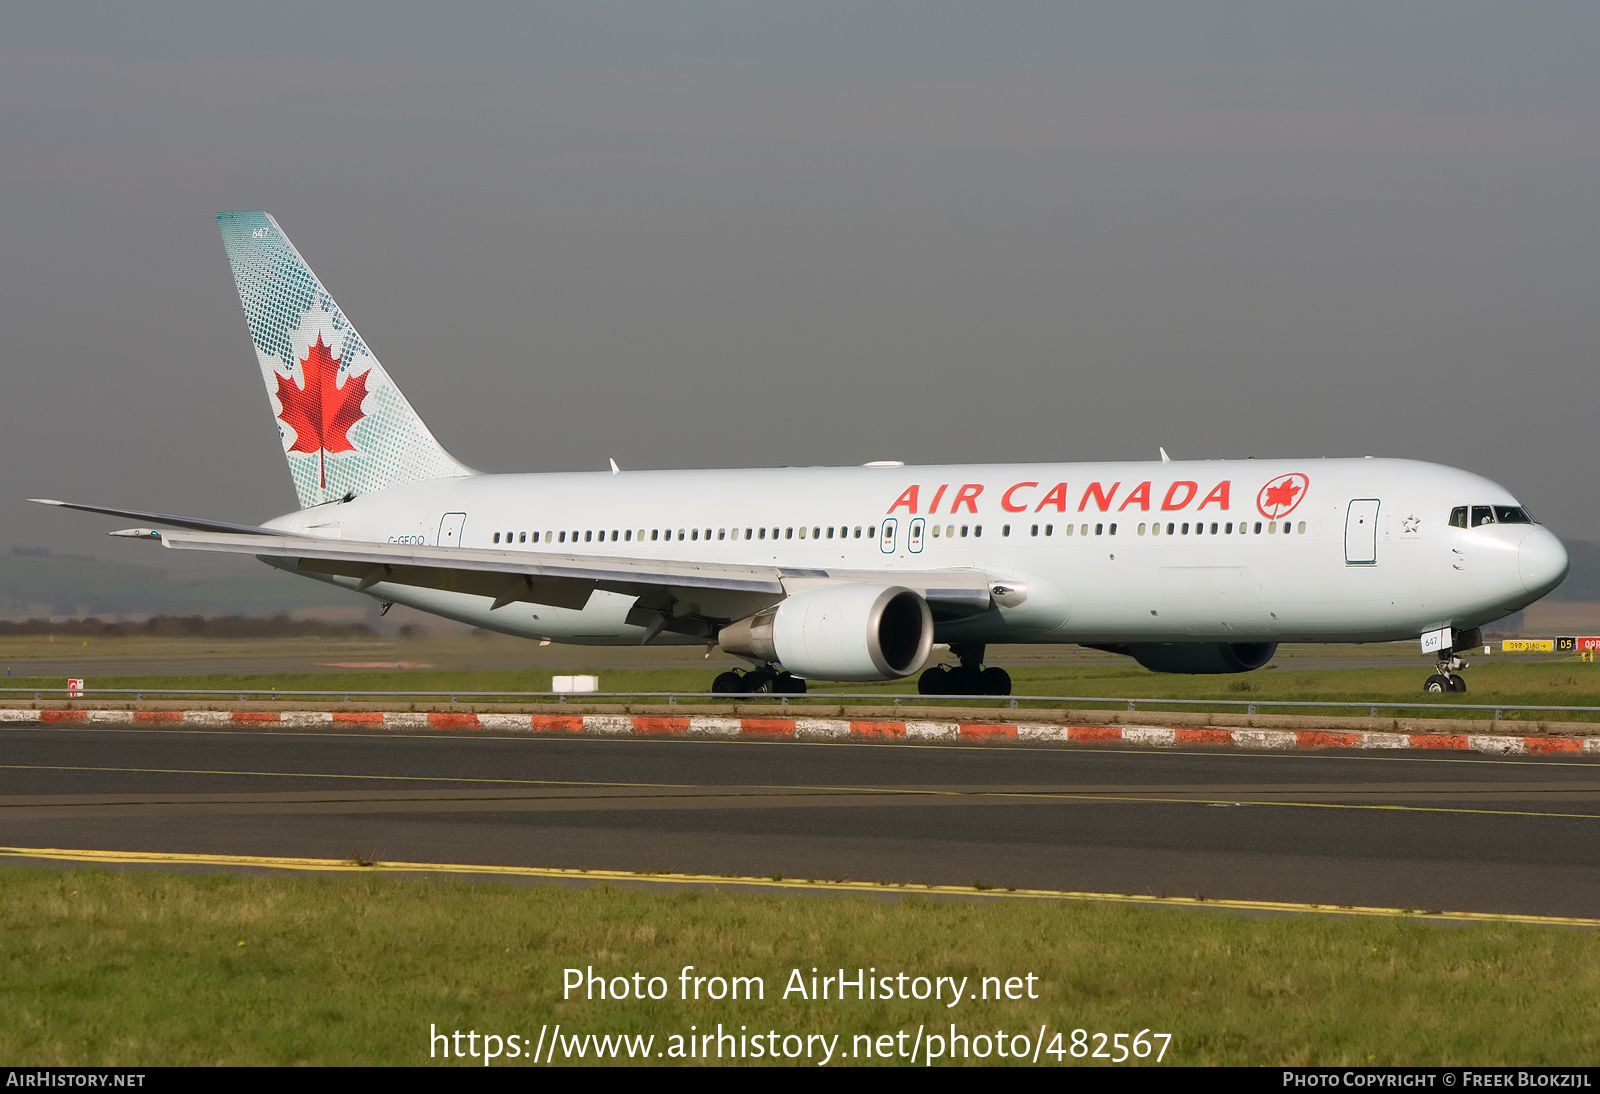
pixel 274 862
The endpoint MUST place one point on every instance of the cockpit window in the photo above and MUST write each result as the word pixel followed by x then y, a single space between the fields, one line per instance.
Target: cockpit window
pixel 1481 515
pixel 1512 514
pixel 1458 517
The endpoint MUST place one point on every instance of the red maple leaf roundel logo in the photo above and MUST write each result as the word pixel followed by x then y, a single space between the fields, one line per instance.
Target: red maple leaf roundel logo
pixel 321 413
pixel 1279 497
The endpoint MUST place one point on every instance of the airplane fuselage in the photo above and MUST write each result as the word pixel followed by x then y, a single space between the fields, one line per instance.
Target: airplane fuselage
pixel 1316 550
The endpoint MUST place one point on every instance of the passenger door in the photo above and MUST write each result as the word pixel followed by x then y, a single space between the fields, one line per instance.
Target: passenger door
pixel 1361 532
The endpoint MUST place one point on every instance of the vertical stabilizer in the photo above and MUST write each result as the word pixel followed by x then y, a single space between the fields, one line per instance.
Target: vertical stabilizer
pixel 346 428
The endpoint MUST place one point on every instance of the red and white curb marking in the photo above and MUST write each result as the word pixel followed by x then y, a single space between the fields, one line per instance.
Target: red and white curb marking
pixel 819 729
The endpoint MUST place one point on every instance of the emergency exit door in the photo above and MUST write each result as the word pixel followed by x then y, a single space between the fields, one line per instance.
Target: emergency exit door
pixel 1361 532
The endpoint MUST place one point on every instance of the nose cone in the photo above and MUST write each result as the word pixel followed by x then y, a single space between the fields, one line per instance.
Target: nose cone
pixel 1542 561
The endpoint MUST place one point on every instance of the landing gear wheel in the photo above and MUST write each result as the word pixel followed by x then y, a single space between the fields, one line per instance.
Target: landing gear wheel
pixel 788 684
pixel 1438 683
pixel 995 681
pixel 933 681
pixel 964 680
pixel 760 681
pixel 728 683
pixel 1457 684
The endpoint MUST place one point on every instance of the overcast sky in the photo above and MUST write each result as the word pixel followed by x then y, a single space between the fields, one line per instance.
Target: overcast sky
pixel 691 235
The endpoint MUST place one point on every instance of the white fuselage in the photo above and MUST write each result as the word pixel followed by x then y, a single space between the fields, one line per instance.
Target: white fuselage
pixel 1254 550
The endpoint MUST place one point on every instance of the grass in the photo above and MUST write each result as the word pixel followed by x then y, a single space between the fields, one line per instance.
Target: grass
pixel 139 968
pixel 1509 682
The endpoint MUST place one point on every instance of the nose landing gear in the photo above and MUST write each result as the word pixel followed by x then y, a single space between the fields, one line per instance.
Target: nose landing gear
pixel 1445 676
pixel 971 678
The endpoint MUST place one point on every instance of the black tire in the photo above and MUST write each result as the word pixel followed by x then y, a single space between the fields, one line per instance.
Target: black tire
pixel 964 681
pixel 933 681
pixel 788 684
pixel 1437 684
pixel 995 681
pixel 728 683
pixel 1457 684
pixel 760 681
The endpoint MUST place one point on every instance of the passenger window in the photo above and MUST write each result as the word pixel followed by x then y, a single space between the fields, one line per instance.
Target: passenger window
pixel 763 533
pixel 1481 515
pixel 1035 530
pixel 872 531
pixel 1228 530
pixel 536 537
pixel 1213 527
pixel 680 535
pixel 497 537
pixel 1005 529
pixel 963 531
pixel 1185 527
pixel 1083 529
pixel 1097 529
pixel 1050 528
pixel 1112 530
pixel 1170 527
pixel 858 532
pixel 1301 529
pixel 588 536
pixel 1070 529
pixel 563 537
pixel 788 533
pixel 977 530
pixel 694 534
pixel 1258 527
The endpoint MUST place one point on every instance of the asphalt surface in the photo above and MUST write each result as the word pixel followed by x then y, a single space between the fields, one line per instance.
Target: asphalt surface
pixel 1409 830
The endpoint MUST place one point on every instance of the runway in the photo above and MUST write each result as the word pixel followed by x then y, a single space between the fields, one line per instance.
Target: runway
pixel 1458 832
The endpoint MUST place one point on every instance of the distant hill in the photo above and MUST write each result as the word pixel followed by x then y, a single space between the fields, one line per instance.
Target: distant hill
pixel 34 582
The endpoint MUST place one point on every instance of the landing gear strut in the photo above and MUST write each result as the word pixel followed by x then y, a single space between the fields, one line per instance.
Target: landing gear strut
pixel 1446 679
pixel 971 678
pixel 762 681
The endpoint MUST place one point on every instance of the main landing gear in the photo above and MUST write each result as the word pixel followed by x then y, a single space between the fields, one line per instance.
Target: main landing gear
pixel 762 681
pixel 968 679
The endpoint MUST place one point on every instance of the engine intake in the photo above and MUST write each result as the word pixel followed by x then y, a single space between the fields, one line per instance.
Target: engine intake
pixel 1202 657
pixel 839 632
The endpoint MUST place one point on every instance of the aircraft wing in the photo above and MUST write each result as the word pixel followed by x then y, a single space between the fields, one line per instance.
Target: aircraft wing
pixel 721 590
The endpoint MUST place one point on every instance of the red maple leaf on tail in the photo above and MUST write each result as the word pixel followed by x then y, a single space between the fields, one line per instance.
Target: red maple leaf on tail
pixel 321 413
pixel 1281 495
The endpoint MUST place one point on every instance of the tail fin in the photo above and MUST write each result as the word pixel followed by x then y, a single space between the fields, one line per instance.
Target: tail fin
pixel 346 427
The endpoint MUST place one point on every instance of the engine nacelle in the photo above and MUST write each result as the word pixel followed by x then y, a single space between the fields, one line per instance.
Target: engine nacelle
pixel 1202 657
pixel 839 632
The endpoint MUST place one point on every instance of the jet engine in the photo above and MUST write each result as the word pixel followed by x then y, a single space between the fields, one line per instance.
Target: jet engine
pixel 1201 657
pixel 839 632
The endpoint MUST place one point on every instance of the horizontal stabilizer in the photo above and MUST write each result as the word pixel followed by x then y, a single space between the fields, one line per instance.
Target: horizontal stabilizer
pixel 196 523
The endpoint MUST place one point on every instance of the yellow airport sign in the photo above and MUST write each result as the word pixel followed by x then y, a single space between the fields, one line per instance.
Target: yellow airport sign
pixel 1528 645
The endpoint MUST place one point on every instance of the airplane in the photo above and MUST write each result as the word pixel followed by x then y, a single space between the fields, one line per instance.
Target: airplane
pixel 855 573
